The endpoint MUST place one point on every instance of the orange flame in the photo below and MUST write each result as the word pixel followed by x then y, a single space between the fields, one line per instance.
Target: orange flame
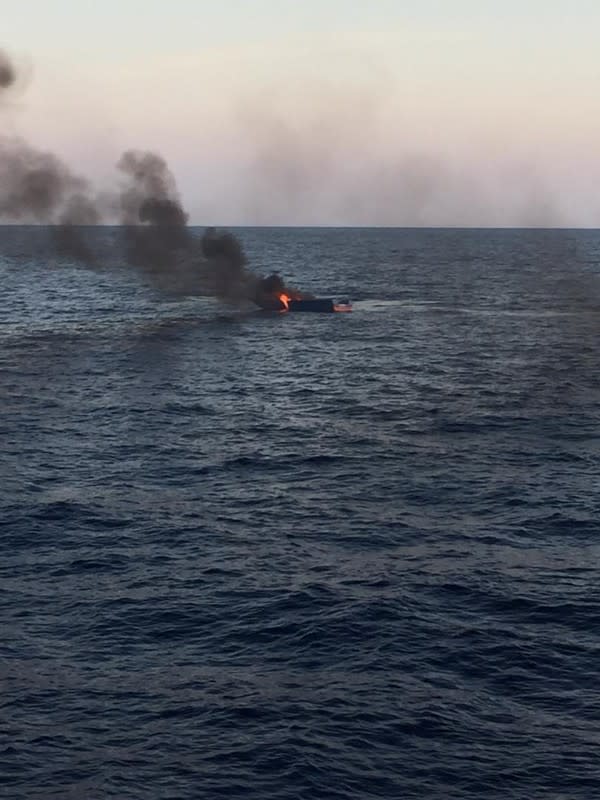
pixel 285 299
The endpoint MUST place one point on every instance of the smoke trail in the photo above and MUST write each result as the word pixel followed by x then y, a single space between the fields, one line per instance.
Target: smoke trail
pixel 37 187
pixel 158 240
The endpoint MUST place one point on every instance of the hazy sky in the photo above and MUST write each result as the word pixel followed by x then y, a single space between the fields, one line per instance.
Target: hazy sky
pixel 326 112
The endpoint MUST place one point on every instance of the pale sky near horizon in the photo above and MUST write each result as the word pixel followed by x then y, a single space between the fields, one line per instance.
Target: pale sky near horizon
pixel 419 112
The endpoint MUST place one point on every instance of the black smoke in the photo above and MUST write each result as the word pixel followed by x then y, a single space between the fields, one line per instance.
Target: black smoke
pixel 154 221
pixel 38 187
pixel 8 73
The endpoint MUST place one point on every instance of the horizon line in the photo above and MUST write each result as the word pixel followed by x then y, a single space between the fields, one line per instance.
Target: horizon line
pixel 320 227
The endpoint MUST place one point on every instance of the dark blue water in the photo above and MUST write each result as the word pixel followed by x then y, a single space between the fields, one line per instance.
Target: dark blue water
pixel 304 556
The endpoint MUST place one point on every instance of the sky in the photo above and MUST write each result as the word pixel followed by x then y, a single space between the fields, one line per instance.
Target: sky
pixel 386 112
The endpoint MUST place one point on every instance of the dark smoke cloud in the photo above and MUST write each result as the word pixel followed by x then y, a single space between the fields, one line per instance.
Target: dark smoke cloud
pixel 158 241
pixel 8 73
pixel 13 77
pixel 151 212
pixel 37 187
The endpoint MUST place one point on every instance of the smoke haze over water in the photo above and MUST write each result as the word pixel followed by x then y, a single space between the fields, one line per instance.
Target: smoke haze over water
pixel 311 147
pixel 324 154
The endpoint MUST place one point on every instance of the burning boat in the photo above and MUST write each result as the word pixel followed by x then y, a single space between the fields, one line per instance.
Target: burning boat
pixel 273 295
pixel 318 305
pixel 232 279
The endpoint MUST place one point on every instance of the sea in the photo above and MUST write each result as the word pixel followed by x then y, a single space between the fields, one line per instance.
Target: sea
pixel 303 556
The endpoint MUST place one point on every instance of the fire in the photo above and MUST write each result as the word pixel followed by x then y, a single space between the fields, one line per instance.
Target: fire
pixel 285 299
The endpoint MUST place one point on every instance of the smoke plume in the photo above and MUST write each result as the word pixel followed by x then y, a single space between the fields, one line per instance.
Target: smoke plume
pixel 37 187
pixel 150 211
